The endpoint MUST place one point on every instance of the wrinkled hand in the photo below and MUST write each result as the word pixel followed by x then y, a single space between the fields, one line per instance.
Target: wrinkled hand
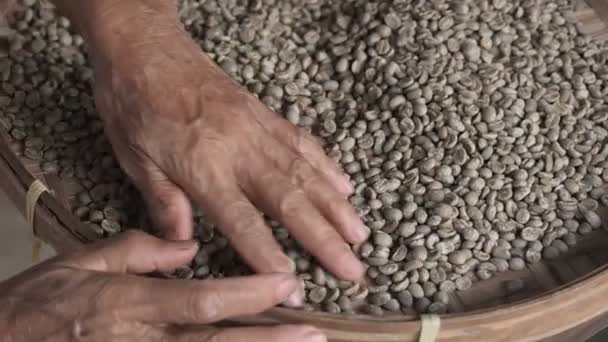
pixel 90 297
pixel 183 130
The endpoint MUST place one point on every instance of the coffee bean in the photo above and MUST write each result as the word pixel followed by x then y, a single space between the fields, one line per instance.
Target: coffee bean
pixel 593 219
pixel 429 289
pixel 416 290
pixel 382 239
pixel 393 305
pixel 412 265
pixel 560 245
pixel 437 308
pixel 399 285
pixel 373 310
pixel 447 286
pixel 459 257
pixel 532 256
pixel 405 299
pixel 442 297
pixel 463 283
pixel 550 252
pixel 344 303
pixel 110 226
pixel 332 308
pixel 318 276
pixel 531 234
pixel 422 304
pixel 379 298
pixel 399 254
pixel 332 295
pixel 407 229
pixel 317 294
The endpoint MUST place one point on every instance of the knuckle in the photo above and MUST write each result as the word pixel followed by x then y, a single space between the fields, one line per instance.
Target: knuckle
pixel 243 219
pixel 325 237
pixel 309 145
pixel 300 170
pixel 300 139
pixel 340 250
pixel 335 206
pixel 316 184
pixel 205 306
pixel 291 201
pixel 328 238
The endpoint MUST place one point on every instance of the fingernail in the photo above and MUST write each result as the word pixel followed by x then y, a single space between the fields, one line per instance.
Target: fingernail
pixel 291 265
pixel 187 245
pixel 279 263
pixel 296 298
pixel 351 267
pixel 311 335
pixel 362 232
pixel 356 270
pixel 347 186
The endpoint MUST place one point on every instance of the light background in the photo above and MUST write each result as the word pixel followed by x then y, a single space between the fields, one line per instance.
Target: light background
pixel 15 241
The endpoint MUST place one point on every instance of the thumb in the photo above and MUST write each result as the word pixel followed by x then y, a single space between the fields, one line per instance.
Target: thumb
pixel 170 209
pixel 168 206
pixel 133 252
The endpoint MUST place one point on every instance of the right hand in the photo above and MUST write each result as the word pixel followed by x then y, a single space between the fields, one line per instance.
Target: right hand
pixel 183 130
pixel 93 296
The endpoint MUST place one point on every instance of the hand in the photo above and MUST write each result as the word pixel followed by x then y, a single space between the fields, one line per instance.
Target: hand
pixel 182 130
pixel 91 297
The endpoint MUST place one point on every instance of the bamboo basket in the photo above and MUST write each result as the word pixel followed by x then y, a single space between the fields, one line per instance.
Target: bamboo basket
pixel 559 300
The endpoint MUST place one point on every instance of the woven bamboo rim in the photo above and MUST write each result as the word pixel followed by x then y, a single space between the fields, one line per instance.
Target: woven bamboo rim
pixel 567 300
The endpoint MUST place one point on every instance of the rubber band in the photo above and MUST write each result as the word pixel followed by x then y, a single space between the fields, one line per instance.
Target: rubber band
pixel 31 199
pixel 430 328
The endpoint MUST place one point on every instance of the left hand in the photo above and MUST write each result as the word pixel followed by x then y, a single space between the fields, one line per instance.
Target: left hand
pixel 96 296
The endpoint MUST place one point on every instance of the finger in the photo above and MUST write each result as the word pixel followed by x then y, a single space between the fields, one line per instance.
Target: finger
pixel 244 226
pixel 159 301
pixel 333 206
pixel 133 252
pixel 303 144
pixel 290 205
pixel 168 205
pixel 291 333
pixel 338 211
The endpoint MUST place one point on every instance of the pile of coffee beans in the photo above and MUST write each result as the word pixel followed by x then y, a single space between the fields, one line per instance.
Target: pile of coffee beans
pixel 473 130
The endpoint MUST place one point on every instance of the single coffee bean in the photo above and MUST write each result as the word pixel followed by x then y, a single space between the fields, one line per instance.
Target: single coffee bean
pixel 405 299
pixel 317 294
pixel 416 290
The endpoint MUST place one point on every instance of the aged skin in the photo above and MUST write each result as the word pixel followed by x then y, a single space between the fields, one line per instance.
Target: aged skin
pixel 96 296
pixel 182 129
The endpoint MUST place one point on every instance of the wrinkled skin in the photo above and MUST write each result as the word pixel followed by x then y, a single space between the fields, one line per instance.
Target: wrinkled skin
pixel 92 296
pixel 183 130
